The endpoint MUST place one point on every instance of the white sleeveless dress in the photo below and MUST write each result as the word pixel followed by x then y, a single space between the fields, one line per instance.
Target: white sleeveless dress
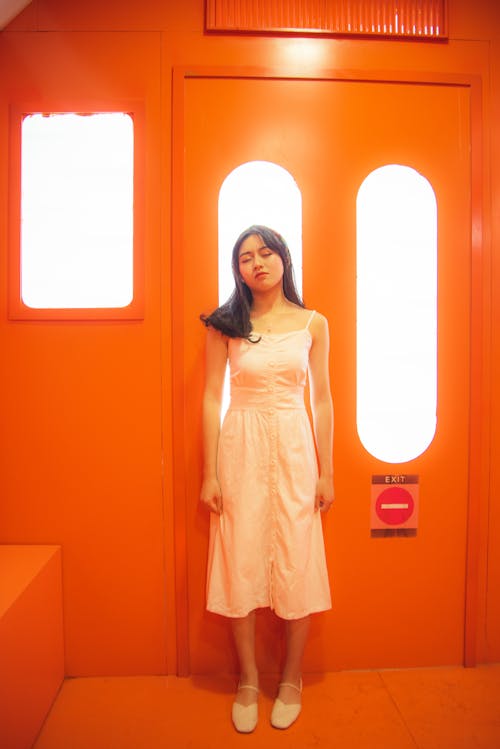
pixel 266 548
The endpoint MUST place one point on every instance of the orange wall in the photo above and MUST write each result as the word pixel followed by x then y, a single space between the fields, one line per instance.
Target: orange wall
pixel 86 407
pixel 492 619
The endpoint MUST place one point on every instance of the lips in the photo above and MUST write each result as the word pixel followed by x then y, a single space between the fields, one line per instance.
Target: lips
pixel 261 274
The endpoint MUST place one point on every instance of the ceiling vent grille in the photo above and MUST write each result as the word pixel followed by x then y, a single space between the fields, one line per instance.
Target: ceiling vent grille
pixel 394 18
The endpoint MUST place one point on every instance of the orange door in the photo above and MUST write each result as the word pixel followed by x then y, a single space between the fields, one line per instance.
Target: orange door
pixel 396 601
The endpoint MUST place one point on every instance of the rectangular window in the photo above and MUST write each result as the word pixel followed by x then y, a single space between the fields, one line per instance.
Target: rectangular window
pixel 76 218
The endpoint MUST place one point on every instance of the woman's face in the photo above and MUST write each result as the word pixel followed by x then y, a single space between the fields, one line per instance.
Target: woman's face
pixel 260 267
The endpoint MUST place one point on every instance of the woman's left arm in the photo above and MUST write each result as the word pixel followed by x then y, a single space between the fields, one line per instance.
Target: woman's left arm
pixel 322 410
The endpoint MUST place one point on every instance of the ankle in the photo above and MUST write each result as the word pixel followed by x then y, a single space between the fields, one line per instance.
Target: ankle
pixel 249 676
pixel 294 678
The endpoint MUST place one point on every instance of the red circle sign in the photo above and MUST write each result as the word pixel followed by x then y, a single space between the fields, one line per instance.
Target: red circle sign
pixel 395 506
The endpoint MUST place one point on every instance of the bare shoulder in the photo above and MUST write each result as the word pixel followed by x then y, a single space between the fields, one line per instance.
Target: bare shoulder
pixel 216 340
pixel 319 325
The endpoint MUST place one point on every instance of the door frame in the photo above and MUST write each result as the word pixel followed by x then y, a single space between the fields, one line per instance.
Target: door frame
pixel 479 326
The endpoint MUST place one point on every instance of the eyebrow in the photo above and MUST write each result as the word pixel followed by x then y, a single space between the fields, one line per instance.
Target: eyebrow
pixel 248 252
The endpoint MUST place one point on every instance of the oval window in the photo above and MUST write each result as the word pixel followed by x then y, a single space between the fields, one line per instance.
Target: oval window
pixel 396 306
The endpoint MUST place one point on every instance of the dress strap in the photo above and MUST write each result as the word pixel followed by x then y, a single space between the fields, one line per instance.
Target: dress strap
pixel 310 318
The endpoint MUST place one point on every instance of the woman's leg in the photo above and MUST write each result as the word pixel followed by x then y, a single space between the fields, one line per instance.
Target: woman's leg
pixel 244 639
pixel 297 631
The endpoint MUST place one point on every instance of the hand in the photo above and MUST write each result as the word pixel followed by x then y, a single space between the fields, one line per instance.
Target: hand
pixel 324 494
pixel 211 495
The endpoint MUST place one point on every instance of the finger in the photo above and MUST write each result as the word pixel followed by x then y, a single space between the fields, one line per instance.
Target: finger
pixel 211 504
pixel 218 504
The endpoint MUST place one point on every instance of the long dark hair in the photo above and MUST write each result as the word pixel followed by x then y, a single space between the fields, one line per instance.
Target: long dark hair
pixel 233 317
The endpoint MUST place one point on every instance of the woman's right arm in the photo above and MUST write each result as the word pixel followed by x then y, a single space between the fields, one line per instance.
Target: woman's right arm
pixel 216 359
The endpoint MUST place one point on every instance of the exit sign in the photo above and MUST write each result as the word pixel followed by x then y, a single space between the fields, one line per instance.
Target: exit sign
pixel 394 501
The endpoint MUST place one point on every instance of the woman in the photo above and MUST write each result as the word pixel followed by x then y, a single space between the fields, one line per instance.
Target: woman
pixel 260 473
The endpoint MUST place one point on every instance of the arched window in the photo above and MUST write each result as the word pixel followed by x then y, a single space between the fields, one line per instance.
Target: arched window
pixel 396 313
pixel 257 192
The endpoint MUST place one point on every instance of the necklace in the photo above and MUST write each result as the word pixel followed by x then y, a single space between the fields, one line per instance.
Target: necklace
pixel 268 321
pixel 268 327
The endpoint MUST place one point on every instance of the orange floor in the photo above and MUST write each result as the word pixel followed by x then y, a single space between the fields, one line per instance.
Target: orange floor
pixel 438 708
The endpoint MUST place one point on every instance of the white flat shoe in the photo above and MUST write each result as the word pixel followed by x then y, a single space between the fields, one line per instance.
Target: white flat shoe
pixel 283 715
pixel 245 716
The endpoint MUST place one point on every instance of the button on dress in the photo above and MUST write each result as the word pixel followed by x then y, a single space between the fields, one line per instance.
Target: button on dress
pixel 266 548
